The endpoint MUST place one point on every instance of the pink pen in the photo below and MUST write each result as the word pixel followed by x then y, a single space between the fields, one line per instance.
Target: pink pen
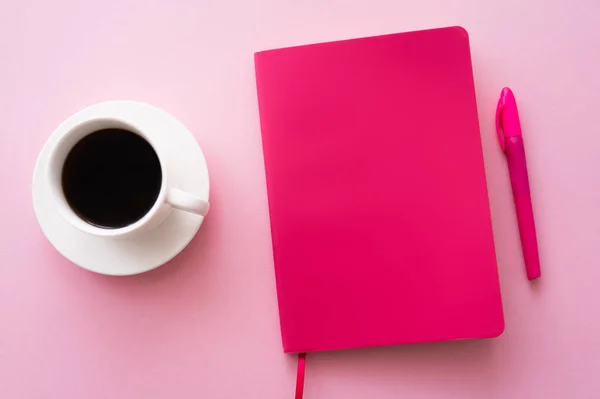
pixel 509 132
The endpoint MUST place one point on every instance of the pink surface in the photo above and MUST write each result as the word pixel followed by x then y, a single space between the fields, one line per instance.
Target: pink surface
pixel 379 208
pixel 206 325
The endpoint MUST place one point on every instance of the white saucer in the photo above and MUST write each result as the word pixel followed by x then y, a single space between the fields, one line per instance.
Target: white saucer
pixel 187 170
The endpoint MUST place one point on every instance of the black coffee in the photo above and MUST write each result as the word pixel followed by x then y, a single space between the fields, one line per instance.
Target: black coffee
pixel 111 178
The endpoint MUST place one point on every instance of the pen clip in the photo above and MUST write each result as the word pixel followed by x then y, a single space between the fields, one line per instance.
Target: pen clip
pixel 499 130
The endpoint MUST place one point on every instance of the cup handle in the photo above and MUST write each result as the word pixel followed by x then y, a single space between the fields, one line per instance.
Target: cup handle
pixel 187 202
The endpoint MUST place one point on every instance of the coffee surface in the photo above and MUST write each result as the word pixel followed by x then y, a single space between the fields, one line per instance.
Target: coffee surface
pixel 111 178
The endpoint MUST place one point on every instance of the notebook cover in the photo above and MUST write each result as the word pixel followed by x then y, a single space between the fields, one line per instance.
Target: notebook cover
pixel 377 194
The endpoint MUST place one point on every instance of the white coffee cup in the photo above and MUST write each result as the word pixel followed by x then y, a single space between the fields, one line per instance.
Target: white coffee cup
pixel 169 197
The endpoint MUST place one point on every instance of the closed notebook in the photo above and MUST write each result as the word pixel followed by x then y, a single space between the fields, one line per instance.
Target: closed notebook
pixel 377 194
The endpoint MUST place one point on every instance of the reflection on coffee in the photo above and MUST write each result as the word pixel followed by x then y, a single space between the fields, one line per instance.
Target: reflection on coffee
pixel 111 178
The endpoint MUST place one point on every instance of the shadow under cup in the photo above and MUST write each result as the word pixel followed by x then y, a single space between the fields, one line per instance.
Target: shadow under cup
pixel 106 174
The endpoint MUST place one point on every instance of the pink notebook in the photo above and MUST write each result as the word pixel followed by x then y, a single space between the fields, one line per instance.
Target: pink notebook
pixel 377 193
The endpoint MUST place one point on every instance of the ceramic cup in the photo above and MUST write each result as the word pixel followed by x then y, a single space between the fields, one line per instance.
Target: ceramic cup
pixel 169 197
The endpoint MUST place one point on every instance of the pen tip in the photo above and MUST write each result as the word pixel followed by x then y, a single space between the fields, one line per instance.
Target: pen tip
pixel 506 96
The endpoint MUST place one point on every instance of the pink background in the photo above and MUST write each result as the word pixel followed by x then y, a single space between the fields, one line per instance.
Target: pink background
pixel 206 325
